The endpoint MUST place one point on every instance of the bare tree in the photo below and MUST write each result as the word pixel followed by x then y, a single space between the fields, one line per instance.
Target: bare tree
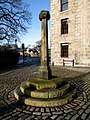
pixel 14 19
pixel 38 45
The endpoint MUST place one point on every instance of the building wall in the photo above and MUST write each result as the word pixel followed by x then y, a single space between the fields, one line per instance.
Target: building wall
pixel 78 37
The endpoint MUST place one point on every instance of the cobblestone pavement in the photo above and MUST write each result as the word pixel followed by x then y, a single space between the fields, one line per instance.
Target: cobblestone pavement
pixel 78 109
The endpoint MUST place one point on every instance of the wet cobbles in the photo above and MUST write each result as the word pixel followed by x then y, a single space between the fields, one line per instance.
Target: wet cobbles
pixel 78 109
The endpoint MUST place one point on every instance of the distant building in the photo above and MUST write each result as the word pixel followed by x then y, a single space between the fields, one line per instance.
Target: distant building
pixel 32 52
pixel 70 31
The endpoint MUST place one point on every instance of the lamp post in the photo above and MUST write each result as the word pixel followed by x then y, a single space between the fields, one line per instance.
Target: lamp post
pixel 23 51
pixel 15 41
pixel 16 44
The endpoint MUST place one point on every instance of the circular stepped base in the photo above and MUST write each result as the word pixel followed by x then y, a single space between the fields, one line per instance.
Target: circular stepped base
pixel 44 93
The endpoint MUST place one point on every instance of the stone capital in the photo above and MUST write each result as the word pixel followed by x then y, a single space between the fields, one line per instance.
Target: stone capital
pixel 44 15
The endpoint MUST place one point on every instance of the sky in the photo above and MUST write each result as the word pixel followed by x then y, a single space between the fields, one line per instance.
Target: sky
pixel 34 33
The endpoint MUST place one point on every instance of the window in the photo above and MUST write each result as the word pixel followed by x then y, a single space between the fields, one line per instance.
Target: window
pixel 64 5
pixel 64 50
pixel 64 26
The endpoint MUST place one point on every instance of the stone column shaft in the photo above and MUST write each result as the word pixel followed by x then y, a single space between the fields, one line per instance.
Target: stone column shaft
pixel 45 71
pixel 44 48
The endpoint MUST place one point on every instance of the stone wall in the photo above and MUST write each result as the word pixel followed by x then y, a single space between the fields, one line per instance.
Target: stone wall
pixel 78 37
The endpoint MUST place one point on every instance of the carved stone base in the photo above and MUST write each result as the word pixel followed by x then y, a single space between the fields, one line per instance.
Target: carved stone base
pixel 45 72
pixel 44 93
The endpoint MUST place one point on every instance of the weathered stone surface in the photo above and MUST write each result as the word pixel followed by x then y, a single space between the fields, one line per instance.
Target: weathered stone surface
pixel 50 92
pixel 43 93
pixel 45 71
pixel 44 15
pixel 58 92
pixel 78 37
pixel 43 102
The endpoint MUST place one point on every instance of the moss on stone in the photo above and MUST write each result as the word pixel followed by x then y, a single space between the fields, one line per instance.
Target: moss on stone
pixel 44 93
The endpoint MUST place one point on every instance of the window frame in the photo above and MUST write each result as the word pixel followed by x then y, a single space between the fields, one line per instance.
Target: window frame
pixel 64 26
pixel 63 5
pixel 64 51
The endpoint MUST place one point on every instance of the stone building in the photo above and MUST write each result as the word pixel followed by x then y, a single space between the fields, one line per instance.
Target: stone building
pixel 70 32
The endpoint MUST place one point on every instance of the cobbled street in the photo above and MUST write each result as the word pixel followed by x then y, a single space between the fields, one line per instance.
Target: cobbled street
pixel 78 109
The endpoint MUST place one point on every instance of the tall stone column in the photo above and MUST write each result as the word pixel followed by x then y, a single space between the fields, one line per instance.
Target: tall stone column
pixel 45 71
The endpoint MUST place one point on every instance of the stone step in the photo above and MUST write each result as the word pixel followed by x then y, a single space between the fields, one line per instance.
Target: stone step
pixel 37 84
pixel 40 102
pixel 23 87
pixel 50 93
pixel 17 92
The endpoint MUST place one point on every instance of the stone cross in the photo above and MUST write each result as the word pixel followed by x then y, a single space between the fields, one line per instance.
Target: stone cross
pixel 44 70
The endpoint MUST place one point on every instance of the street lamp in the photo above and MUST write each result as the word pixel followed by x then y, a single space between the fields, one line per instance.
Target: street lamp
pixel 15 41
pixel 23 51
